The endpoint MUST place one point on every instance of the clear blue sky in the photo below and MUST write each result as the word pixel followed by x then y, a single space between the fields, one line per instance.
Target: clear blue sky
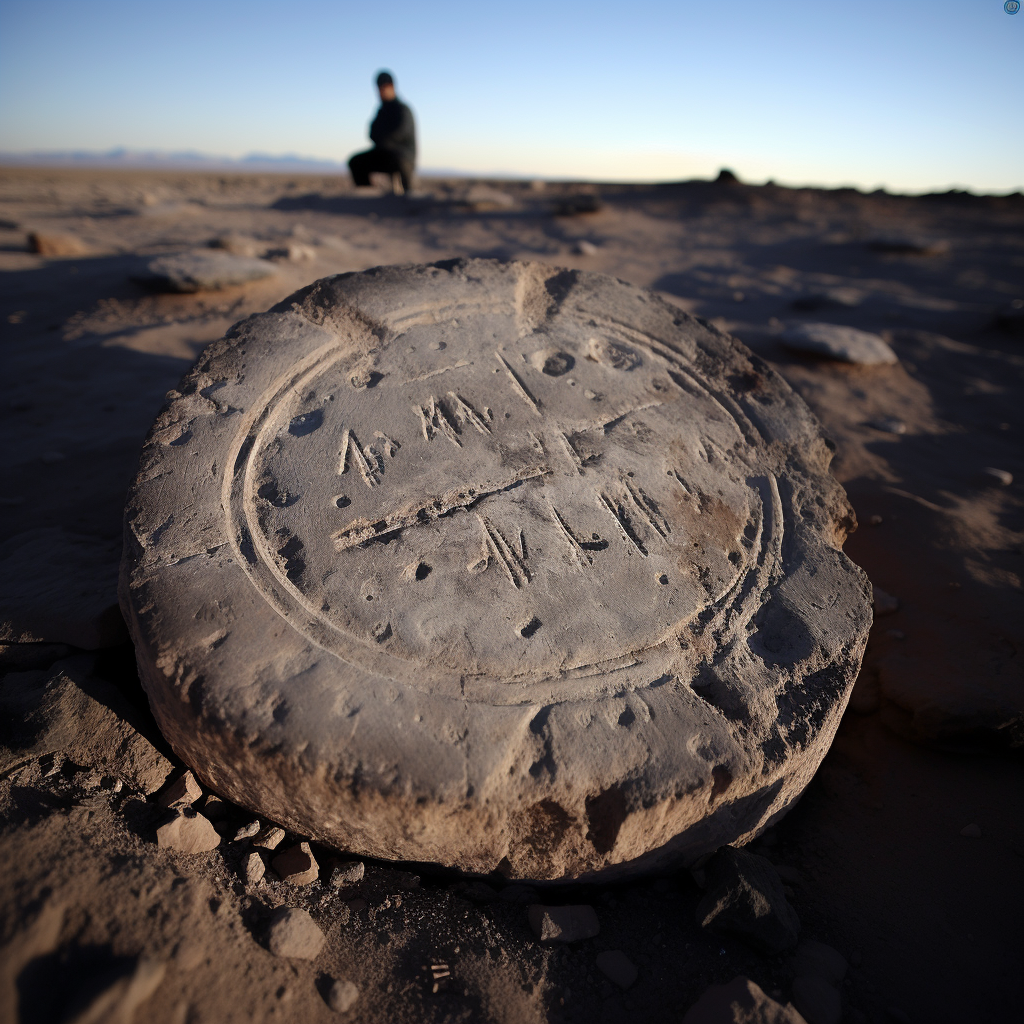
pixel 909 95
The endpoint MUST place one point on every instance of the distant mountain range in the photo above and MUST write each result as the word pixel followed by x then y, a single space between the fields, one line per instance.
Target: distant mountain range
pixel 158 159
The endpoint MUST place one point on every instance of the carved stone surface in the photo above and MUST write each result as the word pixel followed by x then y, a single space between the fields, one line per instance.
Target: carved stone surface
pixel 493 565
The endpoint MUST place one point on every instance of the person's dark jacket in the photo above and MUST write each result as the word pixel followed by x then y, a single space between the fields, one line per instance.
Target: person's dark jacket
pixel 394 129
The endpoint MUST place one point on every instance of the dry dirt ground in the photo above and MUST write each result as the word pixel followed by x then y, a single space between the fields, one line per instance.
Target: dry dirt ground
pixel 878 865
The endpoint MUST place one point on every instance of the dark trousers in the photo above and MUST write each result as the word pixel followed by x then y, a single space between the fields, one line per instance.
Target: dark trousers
pixel 362 165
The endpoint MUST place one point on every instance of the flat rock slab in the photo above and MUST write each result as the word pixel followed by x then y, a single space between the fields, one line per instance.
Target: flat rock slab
pixel 204 270
pixel 493 565
pixel 845 344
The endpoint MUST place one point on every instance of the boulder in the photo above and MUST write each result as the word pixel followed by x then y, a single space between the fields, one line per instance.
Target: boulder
pixel 845 344
pixel 497 566
pixel 745 898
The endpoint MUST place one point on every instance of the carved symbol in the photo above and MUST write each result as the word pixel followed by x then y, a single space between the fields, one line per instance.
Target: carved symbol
pixel 582 558
pixel 349 442
pixel 511 561
pixel 518 386
pixel 434 420
pixel 618 513
pixel 648 508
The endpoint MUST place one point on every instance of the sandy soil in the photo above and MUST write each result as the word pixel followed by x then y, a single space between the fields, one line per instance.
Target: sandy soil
pixel 929 918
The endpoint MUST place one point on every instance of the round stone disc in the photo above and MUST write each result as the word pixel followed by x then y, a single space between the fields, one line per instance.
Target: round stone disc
pixel 497 566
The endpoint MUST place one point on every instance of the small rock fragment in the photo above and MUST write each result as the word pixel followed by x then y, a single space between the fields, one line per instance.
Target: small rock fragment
pixel 292 933
pixel 248 831
pixel 255 869
pixel 883 603
pixel 188 833
pixel 342 995
pixel 740 1002
pixel 57 243
pixel 972 831
pixel 563 924
pixel 269 837
pixel 816 959
pixel 845 344
pixel 182 792
pixel 745 898
pixel 297 865
pixel 992 477
pixel 585 248
pixel 347 873
pixel 617 967
pixel 875 520
pixel 817 1000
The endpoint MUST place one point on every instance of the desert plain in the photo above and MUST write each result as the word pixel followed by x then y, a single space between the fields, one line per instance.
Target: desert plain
pixel 906 851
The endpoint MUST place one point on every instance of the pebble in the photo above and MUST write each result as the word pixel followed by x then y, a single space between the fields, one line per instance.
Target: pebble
pixel 585 248
pixel 269 837
pixel 293 934
pixel 563 924
pixel 883 603
pixel 342 995
pixel 888 425
pixel 297 865
pixel 188 833
pixel 845 344
pixel 817 1000
pixel 616 966
pixel 255 869
pixel 247 831
pixel 992 477
pixel 182 792
pixel 875 520
pixel 347 873
pixel 54 243
pixel 816 959
pixel 972 831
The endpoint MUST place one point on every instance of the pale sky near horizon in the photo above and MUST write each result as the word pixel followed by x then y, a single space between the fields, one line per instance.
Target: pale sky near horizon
pixel 907 95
